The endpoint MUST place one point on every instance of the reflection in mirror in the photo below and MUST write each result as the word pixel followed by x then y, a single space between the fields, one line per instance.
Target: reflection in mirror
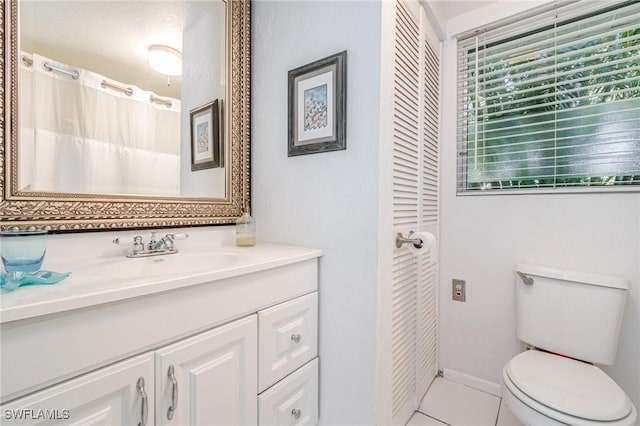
pixel 96 118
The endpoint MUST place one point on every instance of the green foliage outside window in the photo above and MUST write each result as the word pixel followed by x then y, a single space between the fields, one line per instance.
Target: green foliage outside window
pixel 576 123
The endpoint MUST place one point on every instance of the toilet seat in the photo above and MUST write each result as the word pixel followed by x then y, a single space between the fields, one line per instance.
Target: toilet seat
pixel 566 390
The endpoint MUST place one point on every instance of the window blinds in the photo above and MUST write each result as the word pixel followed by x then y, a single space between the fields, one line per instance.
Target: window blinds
pixel 552 100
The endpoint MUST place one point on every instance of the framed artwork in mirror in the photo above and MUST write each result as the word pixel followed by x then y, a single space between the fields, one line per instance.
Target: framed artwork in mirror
pixel 318 106
pixel 205 137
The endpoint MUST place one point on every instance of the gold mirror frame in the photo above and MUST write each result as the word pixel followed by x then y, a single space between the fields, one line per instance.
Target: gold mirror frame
pixel 59 212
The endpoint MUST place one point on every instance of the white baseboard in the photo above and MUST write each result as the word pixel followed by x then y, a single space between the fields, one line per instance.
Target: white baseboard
pixel 472 381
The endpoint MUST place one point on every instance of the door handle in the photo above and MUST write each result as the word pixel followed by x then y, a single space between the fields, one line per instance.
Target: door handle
pixel 174 392
pixel 144 409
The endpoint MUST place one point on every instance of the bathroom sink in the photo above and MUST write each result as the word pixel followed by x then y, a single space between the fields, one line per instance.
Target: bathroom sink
pixel 111 276
pixel 159 266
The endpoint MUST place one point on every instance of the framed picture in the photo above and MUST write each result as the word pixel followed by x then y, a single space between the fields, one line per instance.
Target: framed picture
pixel 205 137
pixel 318 106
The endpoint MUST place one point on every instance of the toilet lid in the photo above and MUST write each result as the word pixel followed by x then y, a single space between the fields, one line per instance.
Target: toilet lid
pixel 569 386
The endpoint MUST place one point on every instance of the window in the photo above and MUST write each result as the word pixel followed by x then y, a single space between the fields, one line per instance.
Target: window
pixel 551 101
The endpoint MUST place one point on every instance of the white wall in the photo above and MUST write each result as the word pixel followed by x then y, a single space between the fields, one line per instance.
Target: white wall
pixel 202 81
pixel 329 200
pixel 482 238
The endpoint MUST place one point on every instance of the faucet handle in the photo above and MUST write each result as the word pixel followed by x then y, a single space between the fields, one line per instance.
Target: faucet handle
pixel 126 240
pixel 182 236
pixel 137 242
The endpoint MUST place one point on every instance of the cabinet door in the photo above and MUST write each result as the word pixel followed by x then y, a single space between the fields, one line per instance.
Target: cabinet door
pixel 121 394
pixel 209 379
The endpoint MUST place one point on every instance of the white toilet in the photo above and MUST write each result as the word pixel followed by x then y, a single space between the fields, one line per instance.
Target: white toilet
pixel 577 315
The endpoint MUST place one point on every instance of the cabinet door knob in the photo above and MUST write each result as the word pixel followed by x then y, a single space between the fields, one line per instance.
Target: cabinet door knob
pixel 145 404
pixel 171 372
pixel 295 338
pixel 296 413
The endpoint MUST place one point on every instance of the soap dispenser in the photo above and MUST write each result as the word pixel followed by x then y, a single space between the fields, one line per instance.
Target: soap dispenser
pixel 245 230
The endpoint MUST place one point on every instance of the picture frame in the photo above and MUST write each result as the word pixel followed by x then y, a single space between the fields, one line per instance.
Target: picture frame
pixel 318 106
pixel 206 152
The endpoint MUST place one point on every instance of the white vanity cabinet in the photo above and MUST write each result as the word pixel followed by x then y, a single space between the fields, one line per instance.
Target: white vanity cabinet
pixel 235 347
pixel 121 394
pixel 209 379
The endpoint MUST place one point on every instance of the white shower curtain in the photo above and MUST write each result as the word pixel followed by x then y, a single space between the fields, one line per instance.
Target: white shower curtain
pixel 81 138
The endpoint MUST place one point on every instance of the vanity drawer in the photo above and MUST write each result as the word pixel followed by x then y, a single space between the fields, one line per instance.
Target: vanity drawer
pixel 288 338
pixel 293 401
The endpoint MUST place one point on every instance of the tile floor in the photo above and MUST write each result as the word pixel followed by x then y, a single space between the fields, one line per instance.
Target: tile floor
pixel 450 403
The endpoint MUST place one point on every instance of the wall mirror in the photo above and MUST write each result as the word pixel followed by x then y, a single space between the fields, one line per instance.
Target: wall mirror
pixel 124 114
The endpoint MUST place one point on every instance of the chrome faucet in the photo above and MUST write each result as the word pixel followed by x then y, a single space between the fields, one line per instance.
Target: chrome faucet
pixel 165 242
pixel 154 248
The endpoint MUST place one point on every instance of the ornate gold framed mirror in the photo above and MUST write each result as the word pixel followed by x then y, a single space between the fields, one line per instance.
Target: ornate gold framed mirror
pixel 47 177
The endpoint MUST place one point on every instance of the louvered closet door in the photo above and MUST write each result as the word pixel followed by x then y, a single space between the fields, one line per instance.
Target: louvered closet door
pixel 427 312
pixel 406 190
pixel 415 207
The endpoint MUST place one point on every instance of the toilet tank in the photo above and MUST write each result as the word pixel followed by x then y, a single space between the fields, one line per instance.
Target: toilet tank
pixel 571 313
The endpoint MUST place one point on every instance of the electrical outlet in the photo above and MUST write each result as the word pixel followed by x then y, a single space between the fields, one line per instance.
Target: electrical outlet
pixel 458 290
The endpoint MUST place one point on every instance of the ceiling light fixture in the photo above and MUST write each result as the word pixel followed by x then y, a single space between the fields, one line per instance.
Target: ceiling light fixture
pixel 165 59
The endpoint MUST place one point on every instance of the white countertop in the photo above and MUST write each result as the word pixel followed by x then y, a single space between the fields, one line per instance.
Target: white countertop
pixel 115 278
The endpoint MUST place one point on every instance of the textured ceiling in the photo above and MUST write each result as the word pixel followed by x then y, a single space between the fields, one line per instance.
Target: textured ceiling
pixel 109 37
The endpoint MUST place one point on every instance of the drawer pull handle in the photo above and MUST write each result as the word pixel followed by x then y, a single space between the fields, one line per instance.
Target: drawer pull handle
pixel 296 413
pixel 145 405
pixel 174 392
pixel 295 338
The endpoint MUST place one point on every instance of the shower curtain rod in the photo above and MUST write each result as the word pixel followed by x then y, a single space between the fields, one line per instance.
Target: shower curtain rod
pixel 105 84
pixel 126 90
pixel 129 91
pixel 49 67
pixel 160 101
